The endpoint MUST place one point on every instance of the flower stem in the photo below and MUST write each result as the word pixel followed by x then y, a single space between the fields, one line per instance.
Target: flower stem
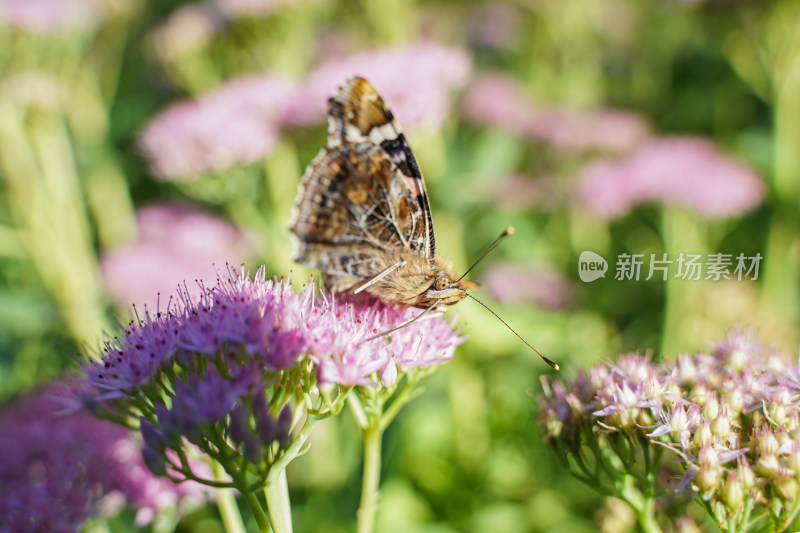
pixel 226 503
pixel 277 494
pixel 373 437
pixel 643 506
pixel 255 507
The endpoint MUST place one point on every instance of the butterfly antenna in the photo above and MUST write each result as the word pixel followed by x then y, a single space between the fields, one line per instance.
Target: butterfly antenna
pixel 400 326
pixel 508 231
pixel 546 360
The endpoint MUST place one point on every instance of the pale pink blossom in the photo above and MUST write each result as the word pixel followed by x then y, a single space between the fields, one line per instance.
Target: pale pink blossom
pixel 236 124
pixel 682 171
pixel 499 101
pixel 51 15
pixel 258 8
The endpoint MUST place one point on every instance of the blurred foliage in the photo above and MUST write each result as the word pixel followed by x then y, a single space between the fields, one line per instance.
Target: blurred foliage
pixel 465 455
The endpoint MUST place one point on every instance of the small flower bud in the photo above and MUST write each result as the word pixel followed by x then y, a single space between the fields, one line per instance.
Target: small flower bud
pixel 766 443
pixel 721 426
pixel 154 461
pixel 735 401
pixel 171 433
pixel 786 486
pixel 152 437
pixel 284 425
pixel 768 466
pixel 732 492
pixel 702 435
pixel 239 427
pixel 252 449
pixel 708 476
pixel 746 475
pixel 711 408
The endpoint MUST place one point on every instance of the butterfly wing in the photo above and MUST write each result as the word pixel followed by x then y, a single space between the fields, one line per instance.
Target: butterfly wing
pixel 362 201
pixel 355 215
pixel 358 114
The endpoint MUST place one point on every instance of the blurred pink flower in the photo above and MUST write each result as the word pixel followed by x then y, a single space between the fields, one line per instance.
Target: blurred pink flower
pixel 521 192
pixel 237 124
pixel 176 243
pixel 540 285
pixel 187 29
pixel 494 25
pixel 50 15
pixel 683 171
pixel 499 101
pixel 413 79
pixel 595 129
pixel 257 8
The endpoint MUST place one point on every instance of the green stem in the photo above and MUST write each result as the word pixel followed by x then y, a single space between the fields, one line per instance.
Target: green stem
pixel 371 480
pixel 226 503
pixel 643 506
pixel 276 492
pixel 255 507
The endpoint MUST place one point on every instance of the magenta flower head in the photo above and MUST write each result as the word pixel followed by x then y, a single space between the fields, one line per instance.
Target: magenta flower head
pixel 61 466
pixel 229 372
pixel 682 171
pixel 419 101
pixel 731 416
pixel 175 243
pixel 237 124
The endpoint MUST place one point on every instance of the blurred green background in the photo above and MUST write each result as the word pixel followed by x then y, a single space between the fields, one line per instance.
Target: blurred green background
pixel 697 103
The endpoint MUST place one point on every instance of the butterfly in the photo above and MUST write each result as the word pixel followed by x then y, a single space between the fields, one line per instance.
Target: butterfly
pixel 362 214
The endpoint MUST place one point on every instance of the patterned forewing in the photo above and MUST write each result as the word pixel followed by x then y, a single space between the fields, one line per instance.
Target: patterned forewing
pixel 355 213
pixel 358 114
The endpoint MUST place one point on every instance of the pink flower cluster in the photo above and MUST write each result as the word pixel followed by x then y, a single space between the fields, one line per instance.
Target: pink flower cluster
pixel 239 123
pixel 58 468
pixel 273 327
pixel 175 243
pixel 235 124
pixel 499 101
pixel 683 171
pixel 51 15
pixel 731 414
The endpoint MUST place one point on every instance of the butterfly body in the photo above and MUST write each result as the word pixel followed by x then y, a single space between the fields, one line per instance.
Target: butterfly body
pixel 362 214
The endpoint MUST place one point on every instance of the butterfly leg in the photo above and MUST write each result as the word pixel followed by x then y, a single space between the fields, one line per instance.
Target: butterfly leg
pixel 386 272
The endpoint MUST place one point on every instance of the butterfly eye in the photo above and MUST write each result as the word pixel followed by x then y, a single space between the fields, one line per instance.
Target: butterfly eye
pixel 442 283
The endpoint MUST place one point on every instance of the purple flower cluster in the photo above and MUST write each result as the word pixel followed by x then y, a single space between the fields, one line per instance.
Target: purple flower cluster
pixel 732 415
pixel 499 101
pixel 58 468
pixel 266 324
pixel 220 371
pixel 683 171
